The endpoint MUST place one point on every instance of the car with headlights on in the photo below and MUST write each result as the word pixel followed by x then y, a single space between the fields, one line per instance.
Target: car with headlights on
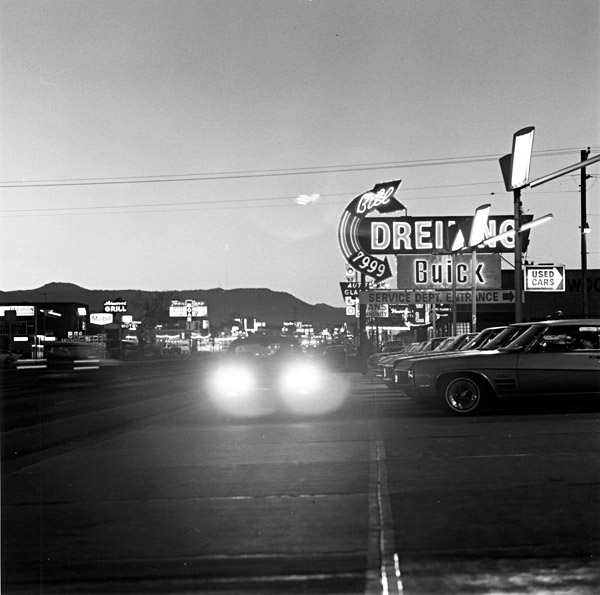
pixel 553 358
pixel 264 374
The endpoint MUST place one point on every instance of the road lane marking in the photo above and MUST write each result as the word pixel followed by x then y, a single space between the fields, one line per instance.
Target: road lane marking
pixel 388 580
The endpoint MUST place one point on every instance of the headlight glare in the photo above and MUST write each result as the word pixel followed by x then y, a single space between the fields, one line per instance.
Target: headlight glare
pixel 233 380
pixel 302 378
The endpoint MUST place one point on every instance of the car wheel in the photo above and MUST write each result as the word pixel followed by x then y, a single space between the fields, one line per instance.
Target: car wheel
pixel 462 395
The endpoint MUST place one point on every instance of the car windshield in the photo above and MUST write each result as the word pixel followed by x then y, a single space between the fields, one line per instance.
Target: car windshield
pixel 508 335
pixel 445 344
pixel 482 339
pixel 265 349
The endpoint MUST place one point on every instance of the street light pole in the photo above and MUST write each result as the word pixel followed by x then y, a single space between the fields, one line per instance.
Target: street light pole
pixel 584 230
pixel 473 291
pixel 518 257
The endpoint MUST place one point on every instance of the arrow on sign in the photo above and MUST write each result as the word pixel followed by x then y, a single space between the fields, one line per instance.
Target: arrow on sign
pixel 379 198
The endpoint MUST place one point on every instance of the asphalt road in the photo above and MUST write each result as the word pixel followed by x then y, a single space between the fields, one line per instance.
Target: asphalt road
pixel 132 482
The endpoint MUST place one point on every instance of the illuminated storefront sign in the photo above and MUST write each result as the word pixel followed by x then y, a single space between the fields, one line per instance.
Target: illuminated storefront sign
pixel 424 235
pixel 115 307
pixel 101 318
pixel 188 309
pixel 20 310
pixel 400 297
pixel 440 271
pixel 380 198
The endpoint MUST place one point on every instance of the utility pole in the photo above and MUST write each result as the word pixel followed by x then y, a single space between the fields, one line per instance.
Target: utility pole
pixel 586 310
pixel 362 328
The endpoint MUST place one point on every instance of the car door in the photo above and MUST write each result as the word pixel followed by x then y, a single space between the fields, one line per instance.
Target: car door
pixel 558 363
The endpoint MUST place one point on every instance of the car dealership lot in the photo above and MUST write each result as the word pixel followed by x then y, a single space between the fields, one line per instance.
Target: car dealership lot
pixel 181 499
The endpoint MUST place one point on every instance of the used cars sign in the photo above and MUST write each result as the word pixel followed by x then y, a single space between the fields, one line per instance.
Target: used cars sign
pixel 544 278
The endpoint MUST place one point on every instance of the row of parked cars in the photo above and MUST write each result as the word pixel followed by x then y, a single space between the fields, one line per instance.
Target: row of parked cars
pixel 559 358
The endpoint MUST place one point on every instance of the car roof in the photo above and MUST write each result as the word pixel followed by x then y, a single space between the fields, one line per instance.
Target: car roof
pixel 569 321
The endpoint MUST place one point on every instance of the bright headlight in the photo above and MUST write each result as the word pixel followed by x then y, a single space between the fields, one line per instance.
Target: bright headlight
pixel 233 380
pixel 302 378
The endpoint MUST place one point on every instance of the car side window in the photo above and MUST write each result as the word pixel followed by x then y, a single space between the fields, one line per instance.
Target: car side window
pixel 556 340
pixel 565 339
pixel 587 338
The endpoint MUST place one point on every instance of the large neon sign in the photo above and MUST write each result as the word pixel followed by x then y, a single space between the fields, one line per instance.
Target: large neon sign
pixel 380 198
pixel 426 235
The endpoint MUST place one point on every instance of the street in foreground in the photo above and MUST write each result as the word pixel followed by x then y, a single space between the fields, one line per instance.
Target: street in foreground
pixel 378 496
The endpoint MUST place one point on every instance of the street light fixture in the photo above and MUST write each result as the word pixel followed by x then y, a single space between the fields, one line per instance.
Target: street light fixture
pixel 512 232
pixel 515 171
pixel 477 234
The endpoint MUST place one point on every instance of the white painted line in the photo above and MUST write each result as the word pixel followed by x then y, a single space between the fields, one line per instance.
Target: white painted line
pixel 381 554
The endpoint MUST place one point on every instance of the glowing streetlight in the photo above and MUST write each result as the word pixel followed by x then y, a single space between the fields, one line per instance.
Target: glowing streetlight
pixel 477 234
pixel 515 171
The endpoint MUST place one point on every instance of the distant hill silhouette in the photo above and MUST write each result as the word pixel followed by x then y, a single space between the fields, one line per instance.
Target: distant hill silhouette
pixel 265 305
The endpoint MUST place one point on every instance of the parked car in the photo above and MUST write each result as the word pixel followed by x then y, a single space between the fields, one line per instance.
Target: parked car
pixel 450 344
pixel 559 358
pixel 389 348
pixel 420 347
pixel 465 342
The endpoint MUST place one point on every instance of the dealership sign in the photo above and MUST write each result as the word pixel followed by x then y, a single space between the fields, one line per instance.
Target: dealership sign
pixel 441 271
pixel 393 297
pixel 365 238
pixel 380 198
pixel 544 278
pixel 424 235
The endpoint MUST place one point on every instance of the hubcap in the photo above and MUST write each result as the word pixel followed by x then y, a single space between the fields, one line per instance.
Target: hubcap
pixel 462 396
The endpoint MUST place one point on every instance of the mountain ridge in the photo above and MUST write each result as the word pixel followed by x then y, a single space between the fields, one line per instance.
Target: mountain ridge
pixel 266 305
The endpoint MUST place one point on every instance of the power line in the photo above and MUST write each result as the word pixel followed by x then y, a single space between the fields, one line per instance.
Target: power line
pixel 202 205
pixel 170 178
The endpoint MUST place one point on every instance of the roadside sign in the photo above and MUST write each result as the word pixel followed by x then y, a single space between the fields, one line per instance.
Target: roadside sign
pixel 379 198
pixel 378 310
pixel 432 271
pixel 20 310
pixel 549 277
pixel 398 297
pixel 187 309
pixel 101 318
